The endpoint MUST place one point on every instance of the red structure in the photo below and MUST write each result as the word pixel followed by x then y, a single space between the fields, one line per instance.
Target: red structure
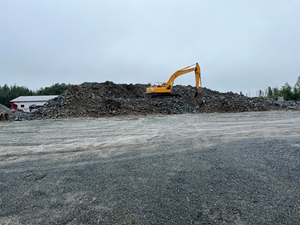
pixel 13 106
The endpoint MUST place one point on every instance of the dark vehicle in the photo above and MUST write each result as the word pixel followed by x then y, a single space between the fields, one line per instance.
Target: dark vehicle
pixel 33 108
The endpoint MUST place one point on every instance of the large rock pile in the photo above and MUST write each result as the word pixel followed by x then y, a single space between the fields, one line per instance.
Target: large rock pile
pixel 7 114
pixel 110 99
pixel 4 109
pixel 231 102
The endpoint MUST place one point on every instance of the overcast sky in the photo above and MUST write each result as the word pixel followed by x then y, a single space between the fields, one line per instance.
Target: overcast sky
pixel 240 45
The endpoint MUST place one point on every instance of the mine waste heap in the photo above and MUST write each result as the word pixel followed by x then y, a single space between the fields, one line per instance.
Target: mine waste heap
pixel 5 113
pixel 110 99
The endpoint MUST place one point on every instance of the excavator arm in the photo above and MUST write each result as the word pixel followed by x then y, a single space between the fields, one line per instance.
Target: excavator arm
pixel 166 88
pixel 185 70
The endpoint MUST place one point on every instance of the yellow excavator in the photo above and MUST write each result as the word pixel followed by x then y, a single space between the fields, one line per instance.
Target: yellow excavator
pixel 165 89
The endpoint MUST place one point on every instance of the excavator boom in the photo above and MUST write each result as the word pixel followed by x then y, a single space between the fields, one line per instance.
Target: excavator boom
pixel 166 88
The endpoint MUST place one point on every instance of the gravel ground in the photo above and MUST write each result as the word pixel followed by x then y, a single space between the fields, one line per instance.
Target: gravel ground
pixel 241 168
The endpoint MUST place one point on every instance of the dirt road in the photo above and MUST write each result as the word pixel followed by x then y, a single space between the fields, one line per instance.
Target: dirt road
pixel 241 168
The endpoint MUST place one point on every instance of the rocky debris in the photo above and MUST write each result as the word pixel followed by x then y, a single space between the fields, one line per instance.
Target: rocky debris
pixel 214 101
pixel 20 116
pixel 4 109
pixel 110 99
pixel 9 114
pixel 4 116
pixel 5 113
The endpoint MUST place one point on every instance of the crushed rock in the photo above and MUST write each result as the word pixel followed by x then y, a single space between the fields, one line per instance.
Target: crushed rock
pixel 4 109
pixel 110 99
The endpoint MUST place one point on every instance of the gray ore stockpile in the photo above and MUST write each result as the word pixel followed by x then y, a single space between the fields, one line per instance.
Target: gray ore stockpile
pixel 5 113
pixel 110 99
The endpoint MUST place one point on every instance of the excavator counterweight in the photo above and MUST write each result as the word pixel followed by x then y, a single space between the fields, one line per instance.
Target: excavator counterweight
pixel 165 89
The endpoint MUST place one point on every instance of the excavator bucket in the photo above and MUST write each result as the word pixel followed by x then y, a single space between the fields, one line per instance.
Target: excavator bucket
pixel 198 97
pixel 198 93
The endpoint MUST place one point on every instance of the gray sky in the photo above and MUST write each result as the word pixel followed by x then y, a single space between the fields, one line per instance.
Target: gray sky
pixel 240 45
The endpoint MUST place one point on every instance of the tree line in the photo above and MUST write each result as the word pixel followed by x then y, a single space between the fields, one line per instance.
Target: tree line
pixel 8 93
pixel 287 91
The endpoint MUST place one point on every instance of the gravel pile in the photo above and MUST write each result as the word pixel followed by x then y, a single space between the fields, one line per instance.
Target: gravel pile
pixel 110 99
pixel 4 109
pixel 214 101
pixel 4 113
pixel 9 114
pixel 20 116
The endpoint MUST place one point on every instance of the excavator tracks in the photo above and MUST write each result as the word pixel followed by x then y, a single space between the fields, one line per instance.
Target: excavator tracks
pixel 165 95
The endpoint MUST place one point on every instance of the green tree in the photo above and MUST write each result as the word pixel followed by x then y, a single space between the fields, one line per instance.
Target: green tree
pixel 270 92
pixel 286 92
pixel 296 93
pixel 297 85
pixel 9 93
pixel 275 93
pixel 55 89
pixel 297 89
